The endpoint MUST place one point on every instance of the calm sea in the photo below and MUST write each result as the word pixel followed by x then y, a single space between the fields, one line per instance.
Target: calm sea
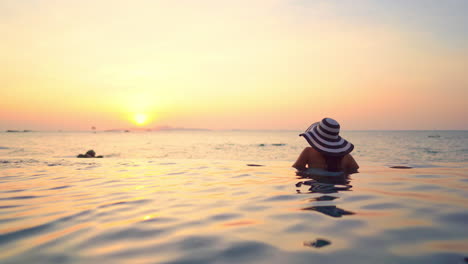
pixel 190 197
pixel 417 148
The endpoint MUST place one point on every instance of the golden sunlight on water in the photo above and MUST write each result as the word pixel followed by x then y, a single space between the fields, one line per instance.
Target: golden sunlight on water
pixel 177 211
pixel 204 197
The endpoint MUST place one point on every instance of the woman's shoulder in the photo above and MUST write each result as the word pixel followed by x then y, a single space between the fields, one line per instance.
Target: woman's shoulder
pixel 310 150
pixel 348 157
pixel 349 163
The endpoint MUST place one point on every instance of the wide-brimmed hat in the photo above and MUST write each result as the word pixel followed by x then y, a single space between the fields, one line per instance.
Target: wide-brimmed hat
pixel 324 137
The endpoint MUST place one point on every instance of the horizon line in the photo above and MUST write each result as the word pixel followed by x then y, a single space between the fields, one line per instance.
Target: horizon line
pixel 204 129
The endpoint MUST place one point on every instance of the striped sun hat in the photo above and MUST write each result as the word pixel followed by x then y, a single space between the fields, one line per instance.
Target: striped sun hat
pixel 324 137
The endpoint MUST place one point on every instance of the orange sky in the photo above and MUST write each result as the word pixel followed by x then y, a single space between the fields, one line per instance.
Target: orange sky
pixel 272 64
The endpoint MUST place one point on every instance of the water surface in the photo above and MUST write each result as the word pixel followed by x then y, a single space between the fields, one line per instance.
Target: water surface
pixel 133 207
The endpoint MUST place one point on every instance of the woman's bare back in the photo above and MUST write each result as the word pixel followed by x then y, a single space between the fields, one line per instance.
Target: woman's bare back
pixel 310 158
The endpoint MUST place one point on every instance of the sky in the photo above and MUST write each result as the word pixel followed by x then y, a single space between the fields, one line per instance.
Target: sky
pixel 240 64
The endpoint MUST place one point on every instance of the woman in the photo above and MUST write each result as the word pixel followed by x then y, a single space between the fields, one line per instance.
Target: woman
pixel 329 151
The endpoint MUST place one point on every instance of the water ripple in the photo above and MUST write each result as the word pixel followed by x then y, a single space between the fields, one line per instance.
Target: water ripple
pixel 136 211
pixel 20 197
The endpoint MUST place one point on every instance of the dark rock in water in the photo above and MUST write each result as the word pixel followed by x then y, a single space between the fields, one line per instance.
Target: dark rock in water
pixel 89 154
pixel 318 243
pixel 401 167
pixel 255 165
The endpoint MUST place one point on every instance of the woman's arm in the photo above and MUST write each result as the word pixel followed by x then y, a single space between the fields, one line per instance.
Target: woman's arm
pixel 302 160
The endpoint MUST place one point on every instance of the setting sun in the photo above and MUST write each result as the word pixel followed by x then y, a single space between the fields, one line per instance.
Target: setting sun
pixel 140 119
pixel 202 64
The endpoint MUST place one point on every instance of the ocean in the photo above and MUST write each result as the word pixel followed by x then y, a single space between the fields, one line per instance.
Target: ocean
pixel 230 197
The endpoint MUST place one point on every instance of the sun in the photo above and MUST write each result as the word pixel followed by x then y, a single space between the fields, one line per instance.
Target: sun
pixel 140 119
